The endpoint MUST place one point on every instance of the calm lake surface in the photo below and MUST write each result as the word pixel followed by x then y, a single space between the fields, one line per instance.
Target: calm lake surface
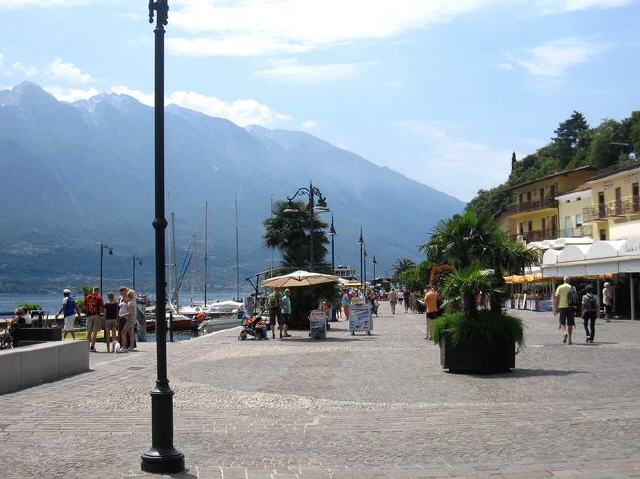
pixel 52 302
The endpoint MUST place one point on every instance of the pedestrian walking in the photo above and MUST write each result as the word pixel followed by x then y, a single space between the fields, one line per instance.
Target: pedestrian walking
pixel 127 312
pixel 93 310
pixel 590 308
pixel 346 303
pixel 565 302
pixel 283 325
pixel 393 300
pixel 274 302
pixel 69 312
pixel 407 300
pixel 607 300
pixel 430 303
pixel 400 296
pixel 122 318
pixel 110 321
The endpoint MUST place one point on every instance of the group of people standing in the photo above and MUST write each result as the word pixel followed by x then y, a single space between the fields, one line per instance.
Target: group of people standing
pixel 116 318
pixel 279 311
pixel 568 302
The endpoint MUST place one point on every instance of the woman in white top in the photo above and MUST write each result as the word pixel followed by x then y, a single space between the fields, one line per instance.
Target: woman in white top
pixel 125 309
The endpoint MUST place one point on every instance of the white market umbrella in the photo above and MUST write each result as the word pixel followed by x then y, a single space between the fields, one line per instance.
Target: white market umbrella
pixel 298 279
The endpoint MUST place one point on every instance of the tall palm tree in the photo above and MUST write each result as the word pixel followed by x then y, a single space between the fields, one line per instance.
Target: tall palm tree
pixel 475 239
pixel 400 266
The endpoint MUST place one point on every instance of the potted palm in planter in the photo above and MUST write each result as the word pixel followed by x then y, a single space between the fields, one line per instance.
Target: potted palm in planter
pixel 475 337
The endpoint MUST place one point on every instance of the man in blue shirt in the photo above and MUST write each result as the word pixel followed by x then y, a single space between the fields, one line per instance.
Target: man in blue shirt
pixel 70 312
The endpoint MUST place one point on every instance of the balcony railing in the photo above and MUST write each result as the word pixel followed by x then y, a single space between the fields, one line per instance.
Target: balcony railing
pixel 617 208
pixel 577 232
pixel 535 235
pixel 532 205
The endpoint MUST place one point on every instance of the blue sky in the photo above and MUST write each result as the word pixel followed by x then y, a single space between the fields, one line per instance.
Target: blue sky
pixel 440 90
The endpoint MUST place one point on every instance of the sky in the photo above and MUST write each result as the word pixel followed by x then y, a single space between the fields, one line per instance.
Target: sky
pixel 440 90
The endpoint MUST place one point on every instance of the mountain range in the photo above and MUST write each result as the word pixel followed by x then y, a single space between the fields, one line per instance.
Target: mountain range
pixel 78 174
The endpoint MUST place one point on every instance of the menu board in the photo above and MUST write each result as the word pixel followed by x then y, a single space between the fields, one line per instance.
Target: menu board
pixel 360 318
pixel 317 320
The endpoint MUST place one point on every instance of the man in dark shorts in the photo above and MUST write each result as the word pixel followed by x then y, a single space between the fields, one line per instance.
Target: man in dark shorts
pixel 564 309
pixel 274 302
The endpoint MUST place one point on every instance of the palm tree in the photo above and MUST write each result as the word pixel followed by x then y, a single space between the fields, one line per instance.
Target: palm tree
pixel 475 239
pixel 400 266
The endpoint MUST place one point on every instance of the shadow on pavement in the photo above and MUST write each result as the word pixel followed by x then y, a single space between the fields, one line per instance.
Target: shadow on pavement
pixel 330 339
pixel 525 373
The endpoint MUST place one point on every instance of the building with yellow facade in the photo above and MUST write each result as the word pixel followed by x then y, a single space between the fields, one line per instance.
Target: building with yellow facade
pixel 534 215
pixel 614 209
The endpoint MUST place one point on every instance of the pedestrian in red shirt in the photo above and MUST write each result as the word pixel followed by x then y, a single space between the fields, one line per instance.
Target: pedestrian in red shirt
pixel 93 308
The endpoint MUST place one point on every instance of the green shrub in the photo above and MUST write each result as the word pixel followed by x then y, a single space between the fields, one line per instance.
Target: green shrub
pixel 483 325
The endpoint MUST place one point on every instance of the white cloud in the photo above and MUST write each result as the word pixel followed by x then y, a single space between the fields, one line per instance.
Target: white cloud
pixel 258 27
pixel 1 59
pixel 71 94
pixel 313 73
pixel 559 6
pixel 68 72
pixel 557 57
pixel 435 155
pixel 309 124
pixel 242 112
pixel 18 68
pixel 142 97
pixel 41 3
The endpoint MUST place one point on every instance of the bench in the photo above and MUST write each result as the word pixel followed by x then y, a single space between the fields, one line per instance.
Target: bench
pixel 39 363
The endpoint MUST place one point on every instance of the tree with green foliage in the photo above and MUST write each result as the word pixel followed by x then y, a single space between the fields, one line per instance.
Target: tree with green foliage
pixel 416 278
pixel 569 137
pixel 289 233
pixel 608 144
pixel 401 265
pixel 480 253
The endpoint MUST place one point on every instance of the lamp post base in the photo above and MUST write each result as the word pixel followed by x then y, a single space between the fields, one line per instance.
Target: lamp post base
pixel 167 461
pixel 162 457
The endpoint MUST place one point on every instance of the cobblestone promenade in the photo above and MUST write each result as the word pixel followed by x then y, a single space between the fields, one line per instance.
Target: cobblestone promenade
pixel 348 407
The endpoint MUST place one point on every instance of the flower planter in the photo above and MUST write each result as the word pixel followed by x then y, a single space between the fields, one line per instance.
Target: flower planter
pixel 481 357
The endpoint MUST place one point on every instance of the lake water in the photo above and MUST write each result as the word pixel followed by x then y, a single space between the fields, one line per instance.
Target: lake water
pixel 52 302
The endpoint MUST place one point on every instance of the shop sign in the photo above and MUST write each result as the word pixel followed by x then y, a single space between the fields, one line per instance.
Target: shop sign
pixel 631 247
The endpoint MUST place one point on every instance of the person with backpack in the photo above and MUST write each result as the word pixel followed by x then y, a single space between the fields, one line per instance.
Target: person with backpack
pixel 590 308
pixel 566 300
pixel 70 312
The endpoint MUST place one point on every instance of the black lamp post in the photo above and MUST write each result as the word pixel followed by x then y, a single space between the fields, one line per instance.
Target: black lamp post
pixel 374 267
pixel 311 192
pixel 332 232
pixel 361 241
pixel 365 266
pixel 103 247
pixel 135 261
pixel 162 457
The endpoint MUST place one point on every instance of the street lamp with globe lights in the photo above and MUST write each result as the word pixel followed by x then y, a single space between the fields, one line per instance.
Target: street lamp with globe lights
pixel 321 207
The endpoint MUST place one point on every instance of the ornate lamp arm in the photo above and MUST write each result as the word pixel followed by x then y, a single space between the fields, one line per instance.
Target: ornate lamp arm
pixel 162 7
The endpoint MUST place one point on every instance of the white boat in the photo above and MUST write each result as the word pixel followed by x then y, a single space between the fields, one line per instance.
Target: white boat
pixel 216 309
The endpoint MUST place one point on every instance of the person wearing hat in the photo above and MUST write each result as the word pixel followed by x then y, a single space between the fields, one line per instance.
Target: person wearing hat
pixel 70 312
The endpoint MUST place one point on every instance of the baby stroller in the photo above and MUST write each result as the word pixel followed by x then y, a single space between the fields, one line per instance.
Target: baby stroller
pixel 254 326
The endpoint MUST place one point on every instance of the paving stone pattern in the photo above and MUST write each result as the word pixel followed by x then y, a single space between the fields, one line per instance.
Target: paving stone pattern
pixel 347 407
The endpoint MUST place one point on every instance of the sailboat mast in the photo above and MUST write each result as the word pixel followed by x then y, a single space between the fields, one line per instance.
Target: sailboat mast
pixel 206 249
pixel 194 272
pixel 176 291
pixel 237 256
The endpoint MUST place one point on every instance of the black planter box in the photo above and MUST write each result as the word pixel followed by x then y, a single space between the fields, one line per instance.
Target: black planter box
pixel 27 336
pixel 483 357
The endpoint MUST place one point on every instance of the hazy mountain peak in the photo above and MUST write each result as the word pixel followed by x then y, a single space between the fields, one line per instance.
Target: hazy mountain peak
pixel 26 94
